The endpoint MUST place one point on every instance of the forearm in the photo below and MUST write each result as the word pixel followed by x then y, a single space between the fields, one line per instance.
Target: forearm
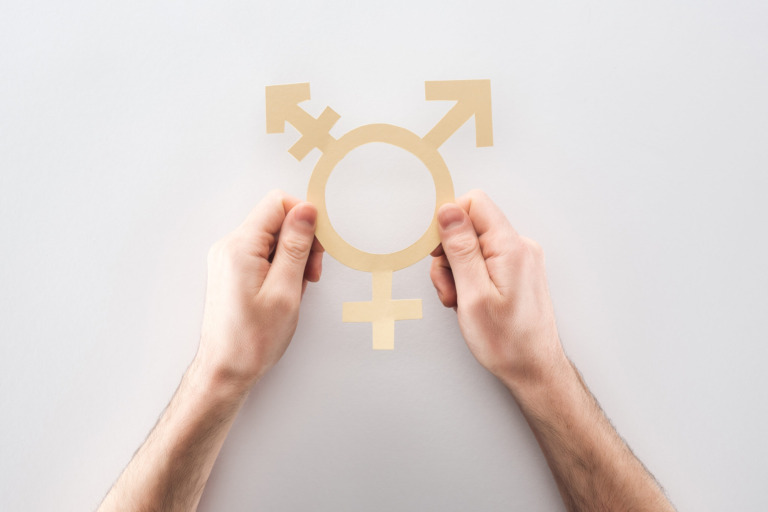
pixel 256 277
pixel 171 468
pixel 593 467
pixel 496 280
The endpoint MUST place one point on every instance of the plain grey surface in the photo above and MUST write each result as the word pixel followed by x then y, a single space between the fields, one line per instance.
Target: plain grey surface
pixel 630 141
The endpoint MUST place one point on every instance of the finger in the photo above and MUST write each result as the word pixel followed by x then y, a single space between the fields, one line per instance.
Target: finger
pixel 498 239
pixel 437 251
pixel 293 247
pixel 314 263
pixel 442 279
pixel 462 250
pixel 262 225
pixel 489 221
pixel 485 214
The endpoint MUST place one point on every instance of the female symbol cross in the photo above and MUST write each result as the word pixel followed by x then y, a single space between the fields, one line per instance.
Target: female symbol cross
pixel 473 98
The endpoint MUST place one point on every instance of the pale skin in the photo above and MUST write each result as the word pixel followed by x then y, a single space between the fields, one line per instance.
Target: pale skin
pixel 494 279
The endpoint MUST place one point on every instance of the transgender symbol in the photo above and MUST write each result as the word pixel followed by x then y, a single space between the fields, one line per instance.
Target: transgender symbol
pixel 473 98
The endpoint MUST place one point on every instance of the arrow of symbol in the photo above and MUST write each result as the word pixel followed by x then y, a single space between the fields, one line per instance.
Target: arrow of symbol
pixel 473 98
pixel 283 106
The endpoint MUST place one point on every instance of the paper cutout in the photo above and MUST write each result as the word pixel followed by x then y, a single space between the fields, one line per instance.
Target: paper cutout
pixel 472 97
pixel 382 311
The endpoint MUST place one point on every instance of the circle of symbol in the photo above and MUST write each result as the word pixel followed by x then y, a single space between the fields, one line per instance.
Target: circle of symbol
pixel 333 154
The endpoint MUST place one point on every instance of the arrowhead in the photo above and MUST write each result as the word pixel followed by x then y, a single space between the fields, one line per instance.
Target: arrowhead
pixel 281 101
pixel 473 97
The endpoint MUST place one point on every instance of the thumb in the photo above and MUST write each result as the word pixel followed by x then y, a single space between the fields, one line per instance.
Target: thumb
pixel 293 246
pixel 462 249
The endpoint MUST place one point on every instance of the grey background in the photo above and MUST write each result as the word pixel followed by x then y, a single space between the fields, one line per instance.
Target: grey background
pixel 630 141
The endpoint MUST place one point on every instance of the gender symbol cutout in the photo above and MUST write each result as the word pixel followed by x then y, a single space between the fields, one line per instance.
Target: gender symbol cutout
pixel 472 97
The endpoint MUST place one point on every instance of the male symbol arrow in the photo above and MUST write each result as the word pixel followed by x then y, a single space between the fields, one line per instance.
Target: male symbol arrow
pixel 283 106
pixel 473 98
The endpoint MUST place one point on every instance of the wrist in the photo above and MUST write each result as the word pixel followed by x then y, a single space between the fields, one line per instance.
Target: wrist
pixel 544 377
pixel 215 383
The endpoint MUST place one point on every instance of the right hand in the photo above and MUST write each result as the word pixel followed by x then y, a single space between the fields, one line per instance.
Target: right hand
pixel 256 278
pixel 495 280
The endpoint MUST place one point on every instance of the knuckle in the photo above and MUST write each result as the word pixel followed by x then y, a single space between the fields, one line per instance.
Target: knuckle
pixel 478 197
pixel 214 251
pixel 535 249
pixel 474 304
pixel 477 194
pixel 282 302
pixel 462 246
pixel 296 248
pixel 276 193
pixel 500 240
pixel 231 250
pixel 232 246
pixel 219 249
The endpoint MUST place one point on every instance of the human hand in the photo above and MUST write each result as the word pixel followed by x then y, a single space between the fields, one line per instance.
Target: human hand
pixel 256 277
pixel 495 280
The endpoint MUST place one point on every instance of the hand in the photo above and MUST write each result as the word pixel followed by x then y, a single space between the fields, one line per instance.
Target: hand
pixel 496 282
pixel 256 277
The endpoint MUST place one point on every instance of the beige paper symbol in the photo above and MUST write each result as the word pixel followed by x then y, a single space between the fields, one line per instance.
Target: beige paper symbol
pixel 472 97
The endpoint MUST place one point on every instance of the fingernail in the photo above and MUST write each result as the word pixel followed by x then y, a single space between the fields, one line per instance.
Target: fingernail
pixel 450 216
pixel 307 214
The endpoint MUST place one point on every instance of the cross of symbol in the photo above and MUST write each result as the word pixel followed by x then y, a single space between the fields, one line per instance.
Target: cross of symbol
pixel 382 311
